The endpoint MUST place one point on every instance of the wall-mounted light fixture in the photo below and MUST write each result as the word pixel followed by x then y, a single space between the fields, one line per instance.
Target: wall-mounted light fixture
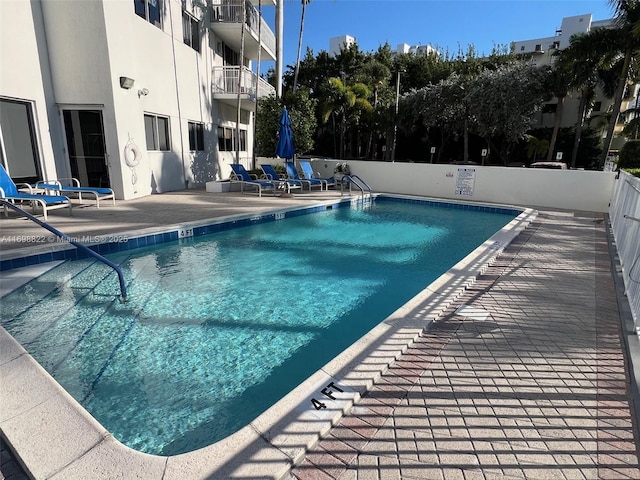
pixel 126 82
pixel 143 93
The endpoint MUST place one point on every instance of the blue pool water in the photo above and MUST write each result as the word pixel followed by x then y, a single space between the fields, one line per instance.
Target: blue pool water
pixel 220 327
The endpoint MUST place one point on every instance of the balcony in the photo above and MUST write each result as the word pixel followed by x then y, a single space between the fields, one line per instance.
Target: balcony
pixel 225 86
pixel 226 24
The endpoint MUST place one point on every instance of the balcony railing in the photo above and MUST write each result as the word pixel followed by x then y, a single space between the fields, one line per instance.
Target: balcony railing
pixel 225 80
pixel 230 11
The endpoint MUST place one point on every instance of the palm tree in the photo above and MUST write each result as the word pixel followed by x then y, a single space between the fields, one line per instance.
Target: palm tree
pixel 341 101
pixel 295 76
pixel 627 19
pixel 589 57
pixel 536 147
pixel 561 79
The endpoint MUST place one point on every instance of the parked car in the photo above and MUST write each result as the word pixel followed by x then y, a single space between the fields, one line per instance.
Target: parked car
pixel 556 165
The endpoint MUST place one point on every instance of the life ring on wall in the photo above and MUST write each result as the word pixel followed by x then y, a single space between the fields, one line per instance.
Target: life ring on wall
pixel 131 154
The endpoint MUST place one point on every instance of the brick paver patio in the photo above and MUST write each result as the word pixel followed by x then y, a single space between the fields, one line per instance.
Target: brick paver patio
pixel 523 378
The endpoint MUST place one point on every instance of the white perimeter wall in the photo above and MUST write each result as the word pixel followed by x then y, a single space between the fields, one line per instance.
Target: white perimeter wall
pixel 565 189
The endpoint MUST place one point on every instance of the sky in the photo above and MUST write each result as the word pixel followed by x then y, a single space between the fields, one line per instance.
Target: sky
pixel 445 24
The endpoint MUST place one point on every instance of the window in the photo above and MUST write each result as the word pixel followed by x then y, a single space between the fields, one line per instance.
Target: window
pixel 522 48
pixel 549 108
pixel 227 139
pixel 191 31
pixel 538 47
pixel 196 137
pixel 157 132
pixel 19 155
pixel 149 10
pixel 597 106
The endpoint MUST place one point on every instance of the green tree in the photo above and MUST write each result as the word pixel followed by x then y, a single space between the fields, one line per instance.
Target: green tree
pixel 341 103
pixel 437 107
pixel 303 122
pixel 630 155
pixel 586 58
pixel 561 80
pixel 376 75
pixel 535 147
pixel 627 20
pixel 503 102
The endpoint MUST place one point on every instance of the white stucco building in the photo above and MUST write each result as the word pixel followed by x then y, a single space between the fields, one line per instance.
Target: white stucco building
pixel 418 50
pixel 140 95
pixel 338 43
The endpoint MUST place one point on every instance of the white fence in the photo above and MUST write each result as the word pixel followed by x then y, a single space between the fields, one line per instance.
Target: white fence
pixel 625 222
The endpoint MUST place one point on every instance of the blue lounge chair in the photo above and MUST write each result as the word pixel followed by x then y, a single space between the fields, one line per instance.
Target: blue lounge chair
pixel 292 173
pixel 9 191
pixel 240 175
pixel 271 174
pixel 61 186
pixel 308 174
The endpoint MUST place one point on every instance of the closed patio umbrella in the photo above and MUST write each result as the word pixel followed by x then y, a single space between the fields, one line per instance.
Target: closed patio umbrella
pixel 284 147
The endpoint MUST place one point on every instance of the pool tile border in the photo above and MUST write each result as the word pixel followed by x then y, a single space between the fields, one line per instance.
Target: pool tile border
pixel 20 259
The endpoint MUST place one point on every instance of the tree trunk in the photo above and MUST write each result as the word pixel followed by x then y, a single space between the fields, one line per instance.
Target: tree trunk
pixel 622 83
pixel 295 77
pixel 582 110
pixel 556 128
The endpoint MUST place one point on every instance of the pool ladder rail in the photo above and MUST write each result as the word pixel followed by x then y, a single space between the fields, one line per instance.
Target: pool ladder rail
pixel 365 190
pixel 79 246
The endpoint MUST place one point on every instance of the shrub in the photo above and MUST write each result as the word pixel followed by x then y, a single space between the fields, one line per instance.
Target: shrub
pixel 630 155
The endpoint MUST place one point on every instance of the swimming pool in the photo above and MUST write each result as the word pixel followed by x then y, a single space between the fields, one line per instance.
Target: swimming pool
pixel 192 298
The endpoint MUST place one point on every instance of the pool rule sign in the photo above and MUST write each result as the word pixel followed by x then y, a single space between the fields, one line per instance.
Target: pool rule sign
pixel 465 181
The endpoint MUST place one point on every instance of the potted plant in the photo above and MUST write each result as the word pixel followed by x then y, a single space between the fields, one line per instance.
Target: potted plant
pixel 340 171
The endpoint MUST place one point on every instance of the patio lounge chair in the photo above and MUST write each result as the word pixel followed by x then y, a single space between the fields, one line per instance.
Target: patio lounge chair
pixel 308 174
pixel 292 173
pixel 9 191
pixel 271 174
pixel 98 193
pixel 240 175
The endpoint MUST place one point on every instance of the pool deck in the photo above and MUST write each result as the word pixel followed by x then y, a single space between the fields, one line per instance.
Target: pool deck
pixel 526 369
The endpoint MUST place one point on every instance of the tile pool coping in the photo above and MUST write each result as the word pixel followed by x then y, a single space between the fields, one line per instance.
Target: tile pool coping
pixel 56 438
pixel 113 243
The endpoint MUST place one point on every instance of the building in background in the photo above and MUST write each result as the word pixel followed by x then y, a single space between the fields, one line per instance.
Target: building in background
pixel 418 50
pixel 338 43
pixel 541 51
pixel 145 96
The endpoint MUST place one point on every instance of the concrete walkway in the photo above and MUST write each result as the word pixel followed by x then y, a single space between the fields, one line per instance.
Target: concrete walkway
pixel 525 376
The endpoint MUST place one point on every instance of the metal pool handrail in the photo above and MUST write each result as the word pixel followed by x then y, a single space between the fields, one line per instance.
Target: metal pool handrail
pixel 97 256
pixel 358 182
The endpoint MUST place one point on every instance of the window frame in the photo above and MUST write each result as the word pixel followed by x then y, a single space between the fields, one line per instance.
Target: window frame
pixel 28 127
pixel 191 31
pixel 149 10
pixel 160 133
pixel 227 140
pixel 196 136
